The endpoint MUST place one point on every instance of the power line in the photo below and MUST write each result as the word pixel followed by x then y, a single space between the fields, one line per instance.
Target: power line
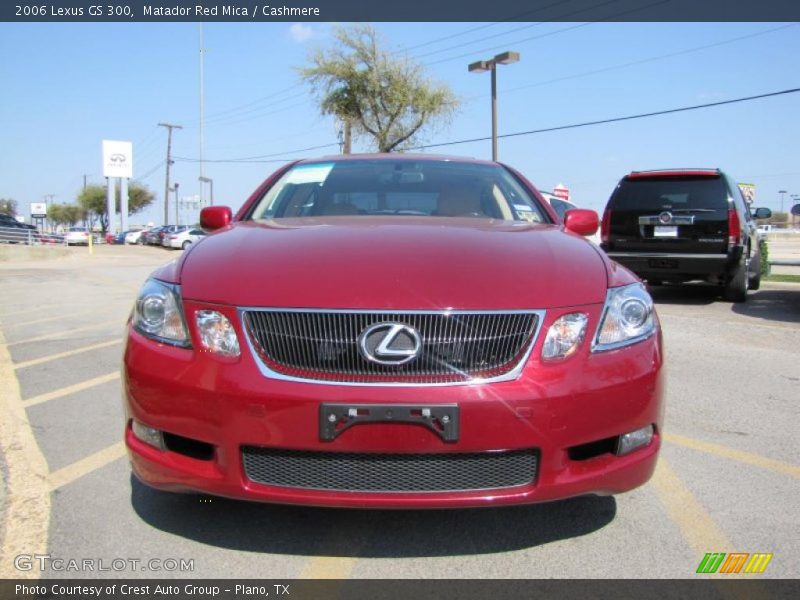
pixel 613 120
pixel 516 17
pixel 246 159
pixel 258 159
pixel 644 60
pixel 149 172
pixel 510 31
pixel 549 34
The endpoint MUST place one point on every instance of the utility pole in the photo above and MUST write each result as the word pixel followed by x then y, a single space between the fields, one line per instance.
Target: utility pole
pixel 85 175
pixel 169 127
pixel 177 204
pixel 782 193
pixel 48 198
pixel 202 110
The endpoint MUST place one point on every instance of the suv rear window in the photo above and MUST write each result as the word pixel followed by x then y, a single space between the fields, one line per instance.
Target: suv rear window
pixel 671 193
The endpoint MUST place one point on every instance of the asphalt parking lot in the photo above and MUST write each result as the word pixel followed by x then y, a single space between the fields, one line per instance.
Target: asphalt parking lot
pixel 727 479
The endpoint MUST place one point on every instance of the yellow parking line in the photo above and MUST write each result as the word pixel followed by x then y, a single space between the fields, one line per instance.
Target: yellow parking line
pixel 58 317
pixel 26 515
pixel 72 389
pixel 733 454
pixel 70 332
pixel 328 567
pixel 694 522
pixel 36 309
pixel 85 466
pixel 60 355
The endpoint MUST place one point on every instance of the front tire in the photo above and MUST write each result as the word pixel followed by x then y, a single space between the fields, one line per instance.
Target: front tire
pixel 736 288
pixel 755 273
pixel 186 244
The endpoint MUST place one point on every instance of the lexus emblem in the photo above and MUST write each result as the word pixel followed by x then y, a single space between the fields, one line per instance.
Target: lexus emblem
pixel 665 217
pixel 390 343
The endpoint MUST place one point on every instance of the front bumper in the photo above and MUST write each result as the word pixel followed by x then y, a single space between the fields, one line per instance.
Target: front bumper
pixel 551 409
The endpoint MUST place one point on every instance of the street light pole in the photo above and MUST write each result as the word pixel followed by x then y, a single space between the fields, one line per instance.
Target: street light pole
pixel 481 66
pixel 782 193
pixel 177 205
pixel 210 183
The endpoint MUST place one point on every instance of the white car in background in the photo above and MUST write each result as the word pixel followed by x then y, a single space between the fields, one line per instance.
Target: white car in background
pixel 77 236
pixel 183 239
pixel 132 237
pixel 560 205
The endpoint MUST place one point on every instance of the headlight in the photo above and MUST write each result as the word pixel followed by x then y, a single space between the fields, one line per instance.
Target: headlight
pixel 157 313
pixel 627 318
pixel 564 336
pixel 217 335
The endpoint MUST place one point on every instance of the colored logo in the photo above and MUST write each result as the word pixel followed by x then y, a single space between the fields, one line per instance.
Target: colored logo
pixel 735 562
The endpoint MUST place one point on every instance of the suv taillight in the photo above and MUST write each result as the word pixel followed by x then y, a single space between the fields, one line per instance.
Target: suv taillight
pixel 734 228
pixel 605 226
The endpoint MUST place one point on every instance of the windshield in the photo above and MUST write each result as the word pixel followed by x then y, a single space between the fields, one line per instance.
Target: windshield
pixel 672 193
pixel 398 187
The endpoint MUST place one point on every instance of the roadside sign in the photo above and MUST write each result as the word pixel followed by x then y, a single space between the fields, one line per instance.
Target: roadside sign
pixel 38 210
pixel 117 159
pixel 748 191
pixel 561 191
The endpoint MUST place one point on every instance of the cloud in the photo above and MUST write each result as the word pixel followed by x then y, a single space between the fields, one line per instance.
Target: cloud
pixel 300 33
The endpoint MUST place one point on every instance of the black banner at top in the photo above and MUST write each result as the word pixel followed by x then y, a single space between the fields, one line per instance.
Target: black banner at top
pixel 402 11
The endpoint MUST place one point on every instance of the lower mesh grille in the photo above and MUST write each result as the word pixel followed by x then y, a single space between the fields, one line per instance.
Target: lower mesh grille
pixel 366 472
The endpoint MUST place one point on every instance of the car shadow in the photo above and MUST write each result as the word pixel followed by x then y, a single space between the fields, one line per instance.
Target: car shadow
pixel 771 305
pixel 303 531
pixel 689 294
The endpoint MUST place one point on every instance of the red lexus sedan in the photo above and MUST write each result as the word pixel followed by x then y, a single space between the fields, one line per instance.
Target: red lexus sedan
pixel 394 331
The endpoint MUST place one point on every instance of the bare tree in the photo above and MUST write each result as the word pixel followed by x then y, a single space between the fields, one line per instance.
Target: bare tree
pixel 383 97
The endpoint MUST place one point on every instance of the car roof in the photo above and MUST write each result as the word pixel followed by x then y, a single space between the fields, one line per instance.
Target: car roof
pixel 396 156
pixel 682 172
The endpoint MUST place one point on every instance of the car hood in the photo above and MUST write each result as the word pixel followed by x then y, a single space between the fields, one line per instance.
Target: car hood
pixel 394 263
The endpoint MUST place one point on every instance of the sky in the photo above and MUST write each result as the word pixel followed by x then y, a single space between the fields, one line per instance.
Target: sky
pixel 68 86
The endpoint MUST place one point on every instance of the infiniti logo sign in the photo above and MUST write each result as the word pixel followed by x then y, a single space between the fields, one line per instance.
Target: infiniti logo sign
pixel 390 343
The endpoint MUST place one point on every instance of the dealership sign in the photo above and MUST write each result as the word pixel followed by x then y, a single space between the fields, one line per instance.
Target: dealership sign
pixel 117 159
pixel 561 191
pixel 38 210
pixel 748 191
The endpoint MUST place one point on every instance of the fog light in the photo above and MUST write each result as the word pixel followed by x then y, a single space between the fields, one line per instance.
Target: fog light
pixel 148 435
pixel 629 442
pixel 217 335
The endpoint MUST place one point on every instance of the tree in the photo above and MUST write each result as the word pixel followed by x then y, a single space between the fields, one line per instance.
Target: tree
pixel 8 206
pixel 65 214
pixel 383 97
pixel 93 201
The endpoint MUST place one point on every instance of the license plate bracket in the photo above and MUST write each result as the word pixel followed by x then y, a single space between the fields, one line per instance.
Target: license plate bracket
pixel 442 419
pixel 665 231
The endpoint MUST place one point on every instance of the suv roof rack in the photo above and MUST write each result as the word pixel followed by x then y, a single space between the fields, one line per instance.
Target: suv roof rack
pixel 680 172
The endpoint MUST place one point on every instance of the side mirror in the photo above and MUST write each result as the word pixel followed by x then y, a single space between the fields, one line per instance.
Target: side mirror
pixel 581 221
pixel 762 213
pixel 215 217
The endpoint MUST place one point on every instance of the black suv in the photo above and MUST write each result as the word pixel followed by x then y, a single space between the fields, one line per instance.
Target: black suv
pixel 684 224
pixel 14 232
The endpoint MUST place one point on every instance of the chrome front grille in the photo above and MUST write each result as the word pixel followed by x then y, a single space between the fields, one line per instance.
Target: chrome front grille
pixel 364 472
pixel 455 346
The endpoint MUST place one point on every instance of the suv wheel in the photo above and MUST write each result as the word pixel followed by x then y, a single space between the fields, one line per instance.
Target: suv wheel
pixel 736 289
pixel 755 273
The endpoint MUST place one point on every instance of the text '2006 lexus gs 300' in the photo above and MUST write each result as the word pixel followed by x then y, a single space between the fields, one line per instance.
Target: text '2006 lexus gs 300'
pixel 394 331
